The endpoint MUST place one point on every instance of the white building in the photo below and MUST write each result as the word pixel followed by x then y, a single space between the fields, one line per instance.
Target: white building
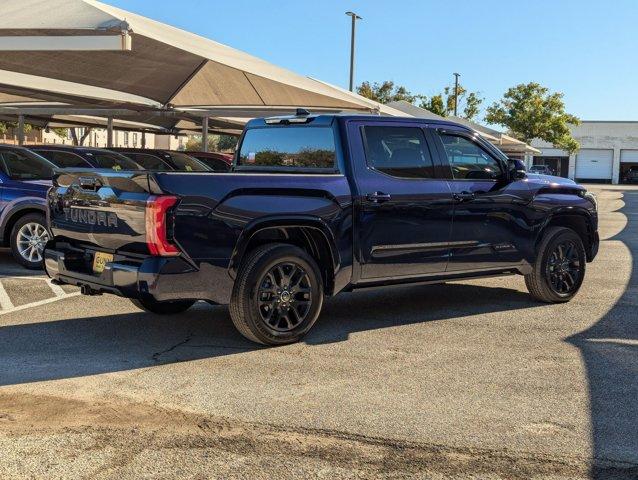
pixel 607 150
pixel 97 138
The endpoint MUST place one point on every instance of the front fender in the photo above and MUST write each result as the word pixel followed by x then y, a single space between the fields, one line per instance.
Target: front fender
pixel 581 218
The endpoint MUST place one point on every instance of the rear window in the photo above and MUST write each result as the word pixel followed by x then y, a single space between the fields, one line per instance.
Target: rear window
pixel 111 160
pixel 186 163
pixel 149 162
pixel 64 159
pixel 297 147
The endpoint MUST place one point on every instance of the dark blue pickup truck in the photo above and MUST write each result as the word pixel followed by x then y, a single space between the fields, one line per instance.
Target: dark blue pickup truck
pixel 317 205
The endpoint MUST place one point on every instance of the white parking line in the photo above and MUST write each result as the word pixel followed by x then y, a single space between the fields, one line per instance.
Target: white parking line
pixel 5 301
pixel 57 289
pixel 37 304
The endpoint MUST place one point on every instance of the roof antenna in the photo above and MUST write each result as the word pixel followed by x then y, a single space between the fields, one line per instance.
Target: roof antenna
pixel 302 112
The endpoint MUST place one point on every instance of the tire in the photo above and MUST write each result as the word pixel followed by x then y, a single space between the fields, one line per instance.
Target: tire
pixel 554 280
pixel 28 238
pixel 261 308
pixel 162 308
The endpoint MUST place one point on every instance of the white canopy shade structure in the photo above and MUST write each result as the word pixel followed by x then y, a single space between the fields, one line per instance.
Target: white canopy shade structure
pixel 44 114
pixel 164 64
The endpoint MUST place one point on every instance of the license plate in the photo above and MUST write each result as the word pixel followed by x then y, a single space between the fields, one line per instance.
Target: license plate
pixel 100 260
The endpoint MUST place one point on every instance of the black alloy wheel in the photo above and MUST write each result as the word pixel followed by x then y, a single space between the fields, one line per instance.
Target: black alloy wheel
pixel 564 268
pixel 559 268
pixel 278 294
pixel 284 296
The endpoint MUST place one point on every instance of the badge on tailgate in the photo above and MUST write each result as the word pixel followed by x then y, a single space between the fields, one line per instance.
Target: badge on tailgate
pixel 100 260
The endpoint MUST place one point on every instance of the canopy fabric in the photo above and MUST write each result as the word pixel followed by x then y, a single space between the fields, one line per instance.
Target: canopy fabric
pixel 165 65
pixel 50 89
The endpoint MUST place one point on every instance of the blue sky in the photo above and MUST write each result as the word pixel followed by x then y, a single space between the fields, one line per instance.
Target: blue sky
pixel 586 49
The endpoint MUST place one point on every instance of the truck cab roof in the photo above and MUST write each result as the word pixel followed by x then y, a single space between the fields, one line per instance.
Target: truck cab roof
pixel 328 119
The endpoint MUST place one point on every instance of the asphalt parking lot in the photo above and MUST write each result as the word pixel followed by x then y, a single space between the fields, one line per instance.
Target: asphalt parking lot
pixel 465 380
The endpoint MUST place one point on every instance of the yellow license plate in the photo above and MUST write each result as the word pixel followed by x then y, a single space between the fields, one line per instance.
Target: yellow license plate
pixel 100 260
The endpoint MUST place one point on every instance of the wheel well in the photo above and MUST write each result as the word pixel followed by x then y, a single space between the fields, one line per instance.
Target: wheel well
pixel 6 233
pixel 310 239
pixel 578 223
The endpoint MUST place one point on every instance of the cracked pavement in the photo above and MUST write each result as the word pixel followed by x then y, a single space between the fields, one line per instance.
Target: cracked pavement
pixel 464 380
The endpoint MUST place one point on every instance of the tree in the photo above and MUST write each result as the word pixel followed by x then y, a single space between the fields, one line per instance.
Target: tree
pixel 531 111
pixel 227 143
pixel 468 106
pixel 386 92
pixel 216 143
pixel 472 106
pixel 6 126
pixel 440 104
pixel 434 104
pixel 60 132
pixel 78 140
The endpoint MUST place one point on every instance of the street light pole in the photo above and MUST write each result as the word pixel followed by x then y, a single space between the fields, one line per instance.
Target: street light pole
pixel 354 17
pixel 456 93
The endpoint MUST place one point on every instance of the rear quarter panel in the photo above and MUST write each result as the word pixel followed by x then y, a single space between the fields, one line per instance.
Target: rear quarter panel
pixel 18 196
pixel 217 211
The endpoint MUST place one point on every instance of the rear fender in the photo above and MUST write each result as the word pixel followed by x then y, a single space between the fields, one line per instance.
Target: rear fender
pixel 282 223
pixel 15 209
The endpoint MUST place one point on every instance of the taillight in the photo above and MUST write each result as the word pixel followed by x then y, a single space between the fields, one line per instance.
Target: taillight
pixel 157 208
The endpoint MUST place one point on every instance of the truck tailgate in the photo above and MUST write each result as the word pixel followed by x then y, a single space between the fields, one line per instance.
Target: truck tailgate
pixel 101 208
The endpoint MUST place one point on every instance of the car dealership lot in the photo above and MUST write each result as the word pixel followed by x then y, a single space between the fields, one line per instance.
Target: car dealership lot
pixel 469 378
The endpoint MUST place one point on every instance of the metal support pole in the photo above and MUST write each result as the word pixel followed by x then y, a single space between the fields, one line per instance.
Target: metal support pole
pixel 204 134
pixel 354 17
pixel 456 93
pixel 109 132
pixel 20 129
pixel 143 139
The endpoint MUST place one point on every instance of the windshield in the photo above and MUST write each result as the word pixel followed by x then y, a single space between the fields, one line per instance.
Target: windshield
pixel 300 147
pixel 116 161
pixel 62 159
pixel 187 163
pixel 26 165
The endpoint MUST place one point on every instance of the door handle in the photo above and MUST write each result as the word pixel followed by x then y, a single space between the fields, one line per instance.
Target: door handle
pixel 378 197
pixel 463 196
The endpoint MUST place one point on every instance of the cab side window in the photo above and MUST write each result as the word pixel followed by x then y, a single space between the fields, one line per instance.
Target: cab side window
pixel 398 151
pixel 468 160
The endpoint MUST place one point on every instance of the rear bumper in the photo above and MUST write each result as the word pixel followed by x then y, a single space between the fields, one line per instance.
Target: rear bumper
pixel 162 278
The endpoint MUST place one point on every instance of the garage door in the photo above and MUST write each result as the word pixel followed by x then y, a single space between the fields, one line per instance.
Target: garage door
pixel 629 156
pixel 593 164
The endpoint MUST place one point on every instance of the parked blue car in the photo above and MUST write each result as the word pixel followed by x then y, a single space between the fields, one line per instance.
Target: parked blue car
pixel 25 178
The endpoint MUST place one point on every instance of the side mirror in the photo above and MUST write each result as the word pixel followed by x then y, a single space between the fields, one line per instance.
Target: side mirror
pixel 517 169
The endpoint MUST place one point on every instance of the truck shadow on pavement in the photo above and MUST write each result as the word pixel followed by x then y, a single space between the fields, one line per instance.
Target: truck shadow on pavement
pixel 40 351
pixel 609 349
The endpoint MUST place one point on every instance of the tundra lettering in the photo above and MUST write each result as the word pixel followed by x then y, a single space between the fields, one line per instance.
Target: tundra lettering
pixel 90 217
pixel 315 205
